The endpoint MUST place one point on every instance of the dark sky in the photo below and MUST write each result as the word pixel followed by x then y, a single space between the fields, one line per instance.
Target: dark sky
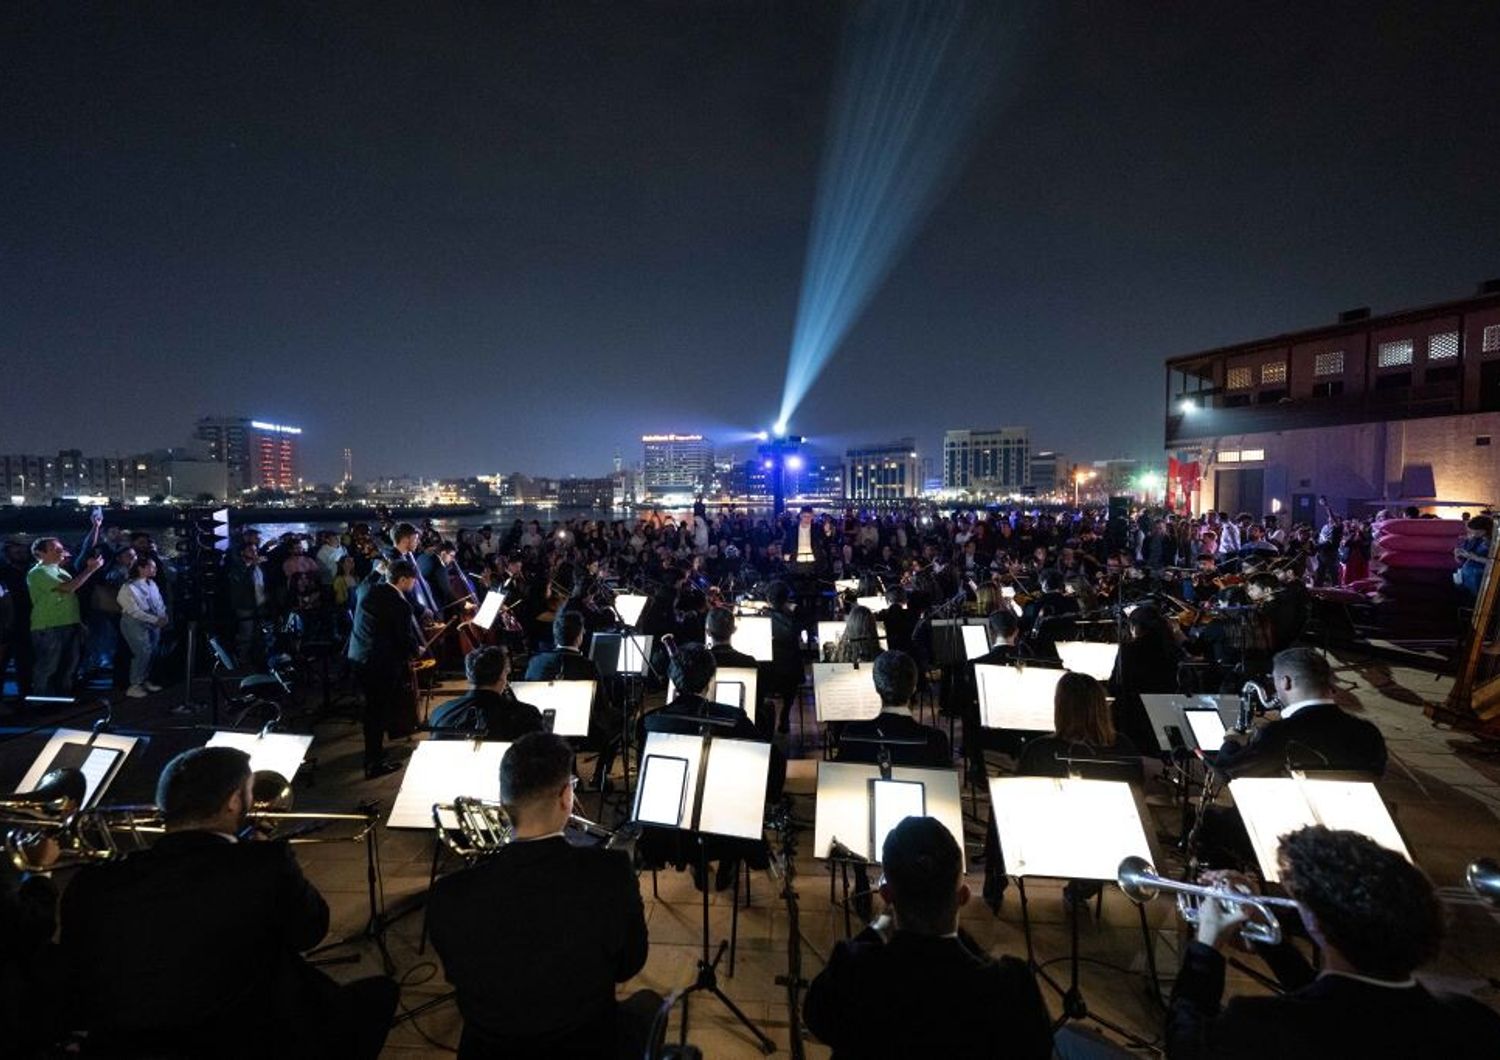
pixel 468 238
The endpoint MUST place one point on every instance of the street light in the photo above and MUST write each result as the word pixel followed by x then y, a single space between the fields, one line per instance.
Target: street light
pixel 1079 477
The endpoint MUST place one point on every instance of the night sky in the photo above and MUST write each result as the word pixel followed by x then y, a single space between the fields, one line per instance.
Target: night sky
pixel 475 238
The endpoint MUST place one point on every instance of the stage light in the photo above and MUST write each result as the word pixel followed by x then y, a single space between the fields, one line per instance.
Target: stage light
pixel 769 464
pixel 912 84
pixel 1187 406
pixel 794 462
pixel 764 436
pixel 780 429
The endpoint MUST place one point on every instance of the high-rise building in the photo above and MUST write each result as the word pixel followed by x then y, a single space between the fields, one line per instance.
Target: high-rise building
pixel 887 472
pixel 996 461
pixel 257 454
pixel 676 464
pixel 1049 473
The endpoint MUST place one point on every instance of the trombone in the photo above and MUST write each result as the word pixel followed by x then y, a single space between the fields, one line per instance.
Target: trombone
pixel 1141 883
pixel 476 828
pixel 1483 879
pixel 108 832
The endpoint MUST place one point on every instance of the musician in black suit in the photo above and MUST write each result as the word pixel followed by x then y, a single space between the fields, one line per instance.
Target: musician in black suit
pixel 384 642
pixel 900 624
pixel 566 662
pixel 489 708
pixel 1376 919
pixel 191 947
pixel 719 625
pixel 1313 732
pixel 1004 629
pixel 535 937
pixel 1146 663
pixel 406 543
pixel 1052 616
pixel 913 983
pixel 895 676
pixel 783 677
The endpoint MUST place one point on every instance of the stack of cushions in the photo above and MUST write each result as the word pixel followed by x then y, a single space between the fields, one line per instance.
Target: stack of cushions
pixel 1411 567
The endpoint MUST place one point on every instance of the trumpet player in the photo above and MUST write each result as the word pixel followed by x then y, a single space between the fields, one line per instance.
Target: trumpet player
pixel 1376 919
pixel 193 946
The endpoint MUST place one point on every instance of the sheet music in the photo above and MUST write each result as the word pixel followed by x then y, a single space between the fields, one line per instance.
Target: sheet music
pixel 1273 806
pixel 489 610
pixel 573 701
pixel 1087 657
pixel 1067 828
pixel 752 635
pixel 734 788
pixel 846 585
pixel 634 649
pixel 891 802
pixel 976 641
pixel 843 692
pixel 1012 697
pixel 874 603
pixel 99 772
pixel 439 770
pixel 1207 729
pixel 629 607
pixel 675 745
pixel 830 630
pixel 843 804
pixel 280 752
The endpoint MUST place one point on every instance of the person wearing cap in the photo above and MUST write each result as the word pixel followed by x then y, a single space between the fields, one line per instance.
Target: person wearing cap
pixel 913 984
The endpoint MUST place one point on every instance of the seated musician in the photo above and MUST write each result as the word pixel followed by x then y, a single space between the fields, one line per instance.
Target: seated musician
pixel 860 641
pixel 566 662
pixel 1376 920
pixel 191 947
pixel 1083 743
pixel 900 624
pixel 489 708
pixel 1051 617
pixel 895 675
pixel 535 936
pixel 913 984
pixel 719 625
pixel 1313 732
pixel 1146 664
pixel 1005 635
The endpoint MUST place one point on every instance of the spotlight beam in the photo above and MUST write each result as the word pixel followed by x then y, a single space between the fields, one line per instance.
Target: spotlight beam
pixel 912 84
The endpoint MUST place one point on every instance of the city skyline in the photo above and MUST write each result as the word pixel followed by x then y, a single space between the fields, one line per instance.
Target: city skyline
pixel 545 232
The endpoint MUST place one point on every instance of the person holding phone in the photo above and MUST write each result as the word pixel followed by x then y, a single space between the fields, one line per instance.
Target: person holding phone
pixel 56 621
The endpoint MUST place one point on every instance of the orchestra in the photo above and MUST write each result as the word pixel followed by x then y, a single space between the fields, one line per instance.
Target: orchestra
pixel 544 921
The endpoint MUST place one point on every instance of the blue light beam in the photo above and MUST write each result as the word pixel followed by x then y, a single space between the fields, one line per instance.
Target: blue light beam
pixel 913 81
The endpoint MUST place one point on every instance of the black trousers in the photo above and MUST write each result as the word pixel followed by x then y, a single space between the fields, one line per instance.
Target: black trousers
pixel 383 691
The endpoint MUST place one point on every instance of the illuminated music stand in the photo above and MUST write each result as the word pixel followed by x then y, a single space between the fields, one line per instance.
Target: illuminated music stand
pixel 98 755
pixel 629 606
pixel 279 752
pixel 752 635
pixel 1095 658
pixel 1017 698
pixel 703 785
pixel 571 701
pixel 1070 828
pixel 1273 806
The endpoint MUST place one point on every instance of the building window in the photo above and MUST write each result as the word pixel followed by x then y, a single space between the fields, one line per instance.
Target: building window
pixel 1442 347
pixel 1393 354
pixel 1229 456
pixel 1273 372
pixel 1252 454
pixel 1330 363
pixel 1240 378
pixel 1491 338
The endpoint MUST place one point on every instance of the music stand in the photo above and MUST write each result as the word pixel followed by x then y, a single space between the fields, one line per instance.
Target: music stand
pixel 626 656
pixel 732 686
pixel 874 603
pixel 1271 807
pixel 98 755
pixel 572 702
pixel 439 770
pixel 1070 828
pixel 277 752
pixel 1165 712
pixel 704 785
pixel 1088 657
pixel 1017 698
pixel 843 834
pixel 752 635
pixel 629 607
pixel 831 629
pixel 844 692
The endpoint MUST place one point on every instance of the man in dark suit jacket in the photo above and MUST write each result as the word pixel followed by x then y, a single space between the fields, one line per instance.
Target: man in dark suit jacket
pixel 1052 616
pixel 1312 732
pixel 382 645
pixel 191 948
pixel 719 625
pixel 566 662
pixel 535 937
pixel 895 676
pixel 900 624
pixel 406 544
pixel 489 707
pixel 783 677
pixel 1376 919
pixel 913 984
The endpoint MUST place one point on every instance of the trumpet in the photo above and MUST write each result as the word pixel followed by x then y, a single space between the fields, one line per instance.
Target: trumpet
pixel 1140 883
pixel 1483 879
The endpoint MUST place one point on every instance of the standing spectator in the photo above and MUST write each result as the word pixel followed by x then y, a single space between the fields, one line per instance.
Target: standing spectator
pixel 56 632
pixel 1473 556
pixel 250 601
pixel 143 615
pixel 329 553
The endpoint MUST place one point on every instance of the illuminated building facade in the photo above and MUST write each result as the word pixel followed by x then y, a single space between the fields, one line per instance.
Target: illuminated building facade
pixel 675 464
pixel 257 454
